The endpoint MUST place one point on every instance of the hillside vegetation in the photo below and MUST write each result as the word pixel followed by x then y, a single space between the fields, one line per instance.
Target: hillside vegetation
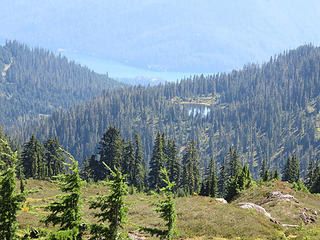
pixel 265 112
pixel 197 217
pixel 35 82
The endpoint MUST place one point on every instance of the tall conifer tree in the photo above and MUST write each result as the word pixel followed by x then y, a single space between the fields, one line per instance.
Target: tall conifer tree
pixel 173 163
pixel 291 172
pixel 32 159
pixel 139 164
pixel 222 180
pixel 157 162
pixel 209 185
pixel 110 150
pixel 128 163
pixel 234 163
pixel 309 175
pixel 191 169
pixel 53 158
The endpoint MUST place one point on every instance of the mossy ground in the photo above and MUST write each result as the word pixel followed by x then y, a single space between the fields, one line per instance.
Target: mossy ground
pixel 198 217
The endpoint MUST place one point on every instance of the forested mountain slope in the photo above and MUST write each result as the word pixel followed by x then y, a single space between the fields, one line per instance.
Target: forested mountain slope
pixel 267 112
pixel 35 82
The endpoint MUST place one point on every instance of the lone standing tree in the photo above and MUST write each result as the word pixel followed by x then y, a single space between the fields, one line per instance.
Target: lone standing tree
pixel 166 207
pixel 112 209
pixel 67 211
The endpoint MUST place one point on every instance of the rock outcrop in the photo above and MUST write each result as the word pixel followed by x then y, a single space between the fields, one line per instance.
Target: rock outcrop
pixel 221 200
pixel 308 215
pixel 259 209
pixel 136 236
pixel 278 196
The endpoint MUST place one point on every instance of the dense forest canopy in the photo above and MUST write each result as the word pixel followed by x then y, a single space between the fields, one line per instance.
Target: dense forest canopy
pixel 266 112
pixel 35 82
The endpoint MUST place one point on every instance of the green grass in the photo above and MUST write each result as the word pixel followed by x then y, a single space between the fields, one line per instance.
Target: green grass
pixel 198 217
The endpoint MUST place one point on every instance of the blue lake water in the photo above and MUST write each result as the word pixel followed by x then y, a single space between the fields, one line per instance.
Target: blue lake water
pixel 119 70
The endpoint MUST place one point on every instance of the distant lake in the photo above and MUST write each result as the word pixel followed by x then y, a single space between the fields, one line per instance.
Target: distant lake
pixel 119 70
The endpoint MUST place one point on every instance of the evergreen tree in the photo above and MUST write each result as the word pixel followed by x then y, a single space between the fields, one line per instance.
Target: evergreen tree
pixel 222 181
pixel 210 186
pixel 112 209
pixel 10 201
pixel 67 211
pixel 316 171
pixel 234 163
pixel 92 169
pixel 263 169
pixel 157 162
pixel 32 159
pixel 309 175
pixel 276 175
pixel 233 188
pixel 110 150
pixel 315 187
pixel 295 174
pixel 166 207
pixel 266 176
pixel 291 172
pixel 173 163
pixel 139 164
pixel 128 163
pixel 239 183
pixel 245 179
pixel 191 169
pixel 287 170
pixel 53 158
pixel 86 172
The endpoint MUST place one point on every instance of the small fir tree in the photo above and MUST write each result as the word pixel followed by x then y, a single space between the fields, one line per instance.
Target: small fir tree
pixel 112 209
pixel 67 211
pixel 10 201
pixel 166 207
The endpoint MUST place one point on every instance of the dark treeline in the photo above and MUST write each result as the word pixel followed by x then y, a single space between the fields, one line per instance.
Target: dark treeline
pixel 265 112
pixel 35 82
pixel 43 161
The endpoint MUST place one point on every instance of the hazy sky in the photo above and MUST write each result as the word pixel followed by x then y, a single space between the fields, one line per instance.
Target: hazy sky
pixel 165 35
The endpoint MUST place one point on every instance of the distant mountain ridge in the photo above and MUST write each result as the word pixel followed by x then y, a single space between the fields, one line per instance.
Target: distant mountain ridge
pixel 266 112
pixel 35 82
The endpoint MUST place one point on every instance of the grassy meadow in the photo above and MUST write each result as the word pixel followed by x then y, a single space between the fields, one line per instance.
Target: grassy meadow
pixel 197 217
